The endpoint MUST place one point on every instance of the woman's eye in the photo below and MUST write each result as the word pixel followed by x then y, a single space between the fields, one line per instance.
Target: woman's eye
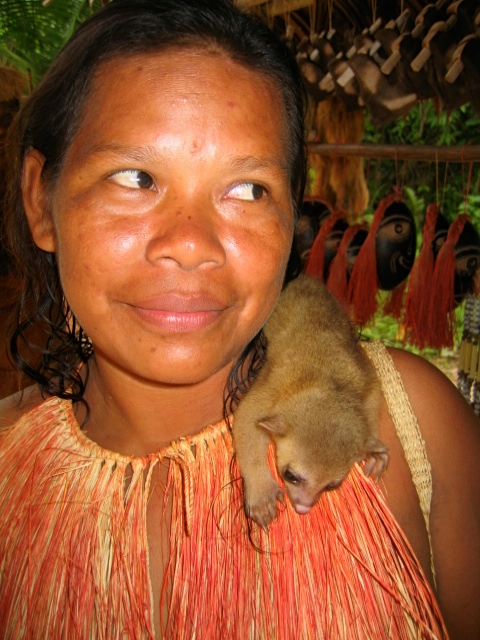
pixel 133 179
pixel 247 191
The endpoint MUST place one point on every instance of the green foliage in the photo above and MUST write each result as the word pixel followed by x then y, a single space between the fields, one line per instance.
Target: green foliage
pixel 472 207
pixel 389 330
pixel 426 182
pixel 31 35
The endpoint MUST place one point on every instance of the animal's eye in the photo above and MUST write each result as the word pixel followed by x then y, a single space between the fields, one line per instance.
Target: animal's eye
pixel 290 477
pixel 133 179
pixel 332 485
pixel 247 191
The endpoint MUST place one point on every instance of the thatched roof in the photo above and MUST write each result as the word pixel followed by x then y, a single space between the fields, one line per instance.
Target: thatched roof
pixel 344 15
pixel 385 55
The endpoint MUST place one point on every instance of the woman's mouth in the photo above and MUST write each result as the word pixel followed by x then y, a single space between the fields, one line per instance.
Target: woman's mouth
pixel 179 313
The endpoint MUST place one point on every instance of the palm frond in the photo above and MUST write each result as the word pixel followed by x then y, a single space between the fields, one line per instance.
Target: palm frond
pixel 31 35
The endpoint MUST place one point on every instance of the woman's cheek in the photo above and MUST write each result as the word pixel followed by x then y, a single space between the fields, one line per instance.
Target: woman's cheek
pixel 266 239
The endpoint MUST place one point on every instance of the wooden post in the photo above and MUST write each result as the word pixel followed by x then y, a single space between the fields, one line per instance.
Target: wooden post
pixel 467 153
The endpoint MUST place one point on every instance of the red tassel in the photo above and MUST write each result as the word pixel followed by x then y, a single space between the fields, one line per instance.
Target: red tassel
pixel 394 304
pixel 442 304
pixel 316 260
pixel 420 288
pixel 363 285
pixel 337 281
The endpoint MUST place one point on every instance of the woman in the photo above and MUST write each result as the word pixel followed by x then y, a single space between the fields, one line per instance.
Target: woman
pixel 156 174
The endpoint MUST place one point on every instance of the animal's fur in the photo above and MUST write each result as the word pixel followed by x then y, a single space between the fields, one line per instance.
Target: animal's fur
pixel 317 397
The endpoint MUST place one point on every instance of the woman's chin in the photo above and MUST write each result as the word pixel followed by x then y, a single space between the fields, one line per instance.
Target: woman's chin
pixel 180 369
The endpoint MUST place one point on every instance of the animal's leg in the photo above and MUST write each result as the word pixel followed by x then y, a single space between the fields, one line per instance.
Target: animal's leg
pixel 261 490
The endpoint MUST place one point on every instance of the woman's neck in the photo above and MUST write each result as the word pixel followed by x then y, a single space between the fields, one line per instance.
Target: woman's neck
pixel 135 417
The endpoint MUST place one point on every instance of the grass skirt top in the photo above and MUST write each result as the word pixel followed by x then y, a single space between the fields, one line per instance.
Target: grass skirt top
pixel 74 556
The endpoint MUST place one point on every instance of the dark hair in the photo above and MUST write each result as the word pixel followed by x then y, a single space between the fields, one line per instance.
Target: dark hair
pixel 50 118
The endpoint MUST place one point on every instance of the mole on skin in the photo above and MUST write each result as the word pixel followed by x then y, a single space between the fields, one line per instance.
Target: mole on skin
pixel 317 397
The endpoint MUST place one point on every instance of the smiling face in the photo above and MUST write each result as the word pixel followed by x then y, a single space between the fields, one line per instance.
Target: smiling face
pixel 171 219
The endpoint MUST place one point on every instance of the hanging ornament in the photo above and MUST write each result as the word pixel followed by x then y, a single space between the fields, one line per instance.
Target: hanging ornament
pixel 417 301
pixel 342 264
pixel 441 317
pixel 386 256
pixel 467 260
pixel 395 245
pixel 440 235
pixel 313 211
pixel 316 209
pixel 326 244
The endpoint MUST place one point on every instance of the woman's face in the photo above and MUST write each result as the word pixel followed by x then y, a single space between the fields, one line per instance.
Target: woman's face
pixel 171 219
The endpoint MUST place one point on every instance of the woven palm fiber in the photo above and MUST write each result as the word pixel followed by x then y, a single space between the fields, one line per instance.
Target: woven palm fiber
pixel 74 560
pixel 407 428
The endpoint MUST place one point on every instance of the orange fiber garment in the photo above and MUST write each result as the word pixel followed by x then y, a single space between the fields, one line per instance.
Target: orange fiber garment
pixel 74 555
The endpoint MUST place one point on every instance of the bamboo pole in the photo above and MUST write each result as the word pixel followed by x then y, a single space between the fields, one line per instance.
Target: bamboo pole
pixel 468 153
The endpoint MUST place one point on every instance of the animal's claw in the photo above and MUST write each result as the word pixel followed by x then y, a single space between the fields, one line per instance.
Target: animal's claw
pixel 261 503
pixel 375 464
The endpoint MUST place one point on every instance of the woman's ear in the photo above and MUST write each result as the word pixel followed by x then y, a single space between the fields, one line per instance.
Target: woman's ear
pixel 35 202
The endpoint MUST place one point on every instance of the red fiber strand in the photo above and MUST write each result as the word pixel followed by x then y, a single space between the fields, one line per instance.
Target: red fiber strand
pixel 316 260
pixel 337 281
pixel 420 287
pixel 442 304
pixel 363 284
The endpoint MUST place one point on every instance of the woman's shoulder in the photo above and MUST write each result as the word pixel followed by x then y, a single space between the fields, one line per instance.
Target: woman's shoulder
pixel 433 396
pixel 13 407
pixel 451 432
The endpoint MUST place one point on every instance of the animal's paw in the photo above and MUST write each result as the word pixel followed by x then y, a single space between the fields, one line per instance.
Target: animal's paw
pixel 376 460
pixel 261 502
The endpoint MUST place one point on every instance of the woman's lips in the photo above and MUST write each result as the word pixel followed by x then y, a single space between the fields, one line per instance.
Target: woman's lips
pixel 179 313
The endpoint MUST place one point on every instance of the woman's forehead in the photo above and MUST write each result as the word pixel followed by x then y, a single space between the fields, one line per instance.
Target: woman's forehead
pixel 181 92
pixel 180 67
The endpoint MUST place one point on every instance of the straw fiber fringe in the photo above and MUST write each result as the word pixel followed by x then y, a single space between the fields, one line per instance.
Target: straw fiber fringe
pixel 73 548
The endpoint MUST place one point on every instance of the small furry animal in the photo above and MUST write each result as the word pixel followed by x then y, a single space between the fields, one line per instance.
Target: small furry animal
pixel 317 396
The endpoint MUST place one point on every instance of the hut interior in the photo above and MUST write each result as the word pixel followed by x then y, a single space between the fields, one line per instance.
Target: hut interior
pixel 383 57
pixel 380 56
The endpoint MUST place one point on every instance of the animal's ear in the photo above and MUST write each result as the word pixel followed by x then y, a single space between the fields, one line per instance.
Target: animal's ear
pixel 274 425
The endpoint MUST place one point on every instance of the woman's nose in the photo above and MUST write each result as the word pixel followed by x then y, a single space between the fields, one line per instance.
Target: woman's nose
pixel 186 237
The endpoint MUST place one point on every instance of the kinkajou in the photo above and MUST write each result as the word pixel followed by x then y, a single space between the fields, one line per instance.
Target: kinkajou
pixel 317 397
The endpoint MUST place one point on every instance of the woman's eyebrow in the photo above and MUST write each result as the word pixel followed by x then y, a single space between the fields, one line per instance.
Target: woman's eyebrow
pixel 140 154
pixel 253 163
pixel 148 153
